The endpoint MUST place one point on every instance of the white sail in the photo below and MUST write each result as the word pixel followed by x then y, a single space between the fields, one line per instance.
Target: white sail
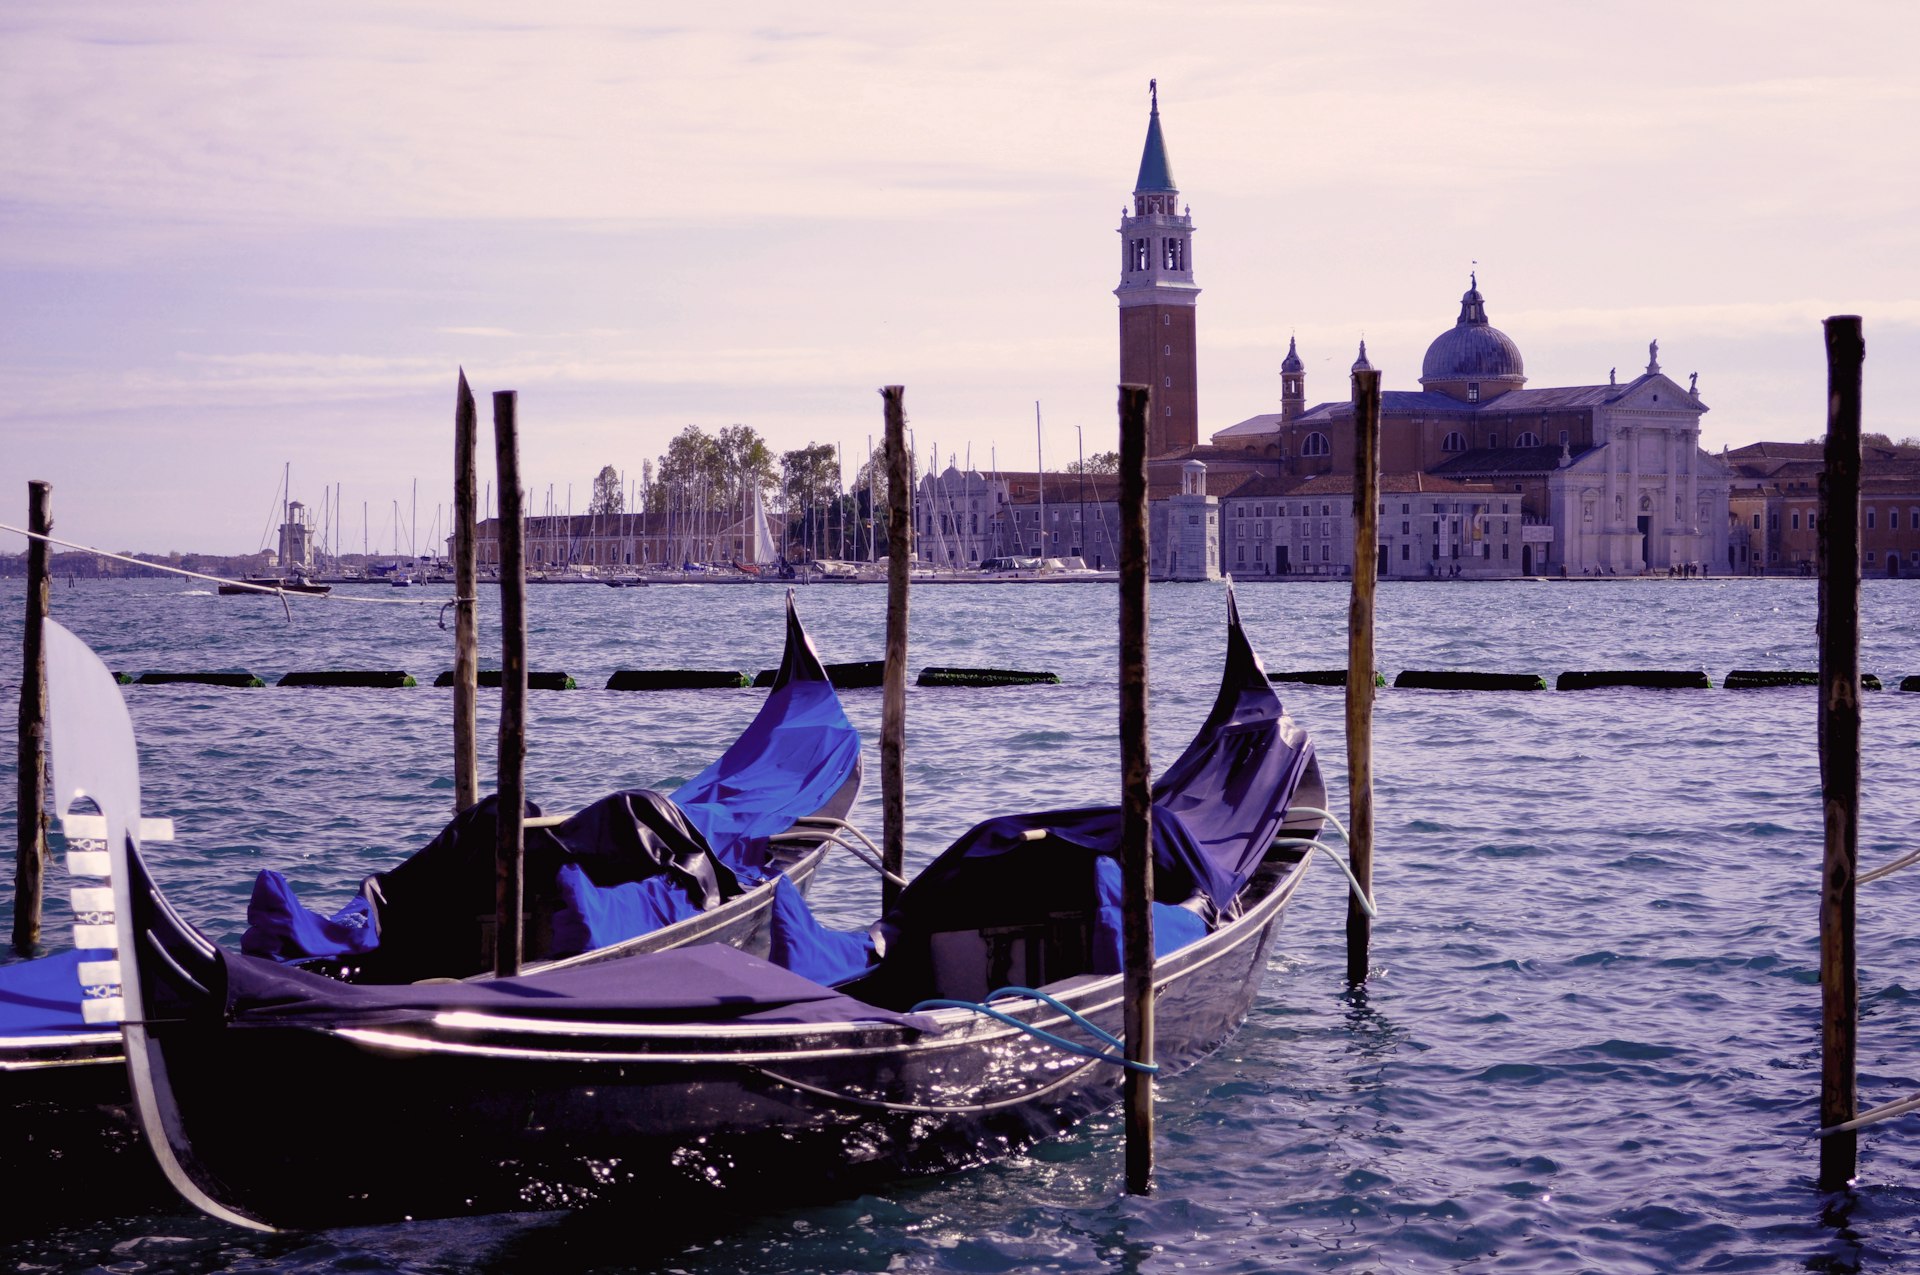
pixel 763 550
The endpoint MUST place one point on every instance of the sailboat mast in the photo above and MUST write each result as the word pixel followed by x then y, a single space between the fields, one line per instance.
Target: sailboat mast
pixel 1040 458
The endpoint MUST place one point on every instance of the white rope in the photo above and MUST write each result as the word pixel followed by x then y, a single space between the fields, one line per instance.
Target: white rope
pixel 199 575
pixel 1366 903
pixel 1888 869
pixel 1873 1115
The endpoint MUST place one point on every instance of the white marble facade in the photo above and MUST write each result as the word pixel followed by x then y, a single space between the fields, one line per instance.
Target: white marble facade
pixel 1646 498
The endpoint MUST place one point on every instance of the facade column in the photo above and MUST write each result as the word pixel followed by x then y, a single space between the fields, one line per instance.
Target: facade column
pixel 1609 519
pixel 1692 440
pixel 1632 440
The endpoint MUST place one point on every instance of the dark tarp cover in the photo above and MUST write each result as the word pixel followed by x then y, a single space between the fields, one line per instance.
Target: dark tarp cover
pixel 643 859
pixel 42 997
pixel 706 982
pixel 1216 810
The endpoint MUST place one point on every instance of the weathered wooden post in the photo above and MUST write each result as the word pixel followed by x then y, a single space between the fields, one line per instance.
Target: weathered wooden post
pixel 1136 794
pixel 893 703
pixel 1839 727
pixel 512 781
pixel 466 617
pixel 1366 568
pixel 30 865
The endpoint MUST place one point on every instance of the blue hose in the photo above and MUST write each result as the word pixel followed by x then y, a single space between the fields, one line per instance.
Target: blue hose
pixel 1058 1042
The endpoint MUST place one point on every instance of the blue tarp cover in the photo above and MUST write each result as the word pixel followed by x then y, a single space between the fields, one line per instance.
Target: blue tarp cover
pixel 801 944
pixel 42 997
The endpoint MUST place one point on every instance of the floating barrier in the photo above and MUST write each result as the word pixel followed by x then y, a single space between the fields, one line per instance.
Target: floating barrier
pixel 384 679
pixel 1646 679
pixel 985 677
pixel 242 679
pixel 859 675
pixel 535 681
pixel 676 679
pixel 1415 679
pixel 1320 677
pixel 1751 679
pixel 1911 682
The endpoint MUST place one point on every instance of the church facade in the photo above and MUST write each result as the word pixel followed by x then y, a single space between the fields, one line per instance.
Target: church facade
pixel 1611 478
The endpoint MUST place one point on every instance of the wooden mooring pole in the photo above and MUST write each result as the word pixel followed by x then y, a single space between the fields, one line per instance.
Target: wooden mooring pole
pixel 30 866
pixel 512 782
pixel 1366 568
pixel 1839 727
pixel 466 613
pixel 1136 793
pixel 893 701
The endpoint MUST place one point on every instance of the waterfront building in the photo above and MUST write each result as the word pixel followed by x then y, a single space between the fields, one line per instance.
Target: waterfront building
pixel 1430 527
pixel 1774 508
pixel 613 543
pixel 295 551
pixel 1610 476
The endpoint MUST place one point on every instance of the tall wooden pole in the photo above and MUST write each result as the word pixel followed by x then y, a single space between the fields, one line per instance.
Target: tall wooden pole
pixel 466 626
pixel 1366 568
pixel 1136 793
pixel 512 783
pixel 893 703
pixel 30 866
pixel 1839 726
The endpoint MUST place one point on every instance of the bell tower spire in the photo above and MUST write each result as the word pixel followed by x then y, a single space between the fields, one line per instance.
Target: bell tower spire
pixel 1157 296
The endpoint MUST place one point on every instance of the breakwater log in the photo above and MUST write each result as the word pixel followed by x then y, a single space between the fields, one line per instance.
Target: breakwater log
pixel 677 679
pixel 1458 680
pixel 1320 677
pixel 1911 682
pixel 1644 679
pixel 1751 679
pixel 382 679
pixel 859 675
pixel 535 681
pixel 239 679
pixel 986 677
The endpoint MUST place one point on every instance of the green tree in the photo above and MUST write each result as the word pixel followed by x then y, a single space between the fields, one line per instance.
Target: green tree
pixel 608 498
pixel 1098 463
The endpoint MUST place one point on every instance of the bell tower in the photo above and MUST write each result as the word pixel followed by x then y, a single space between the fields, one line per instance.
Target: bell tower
pixel 1157 296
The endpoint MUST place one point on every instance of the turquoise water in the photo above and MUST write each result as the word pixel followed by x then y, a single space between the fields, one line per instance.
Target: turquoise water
pixel 1590 1041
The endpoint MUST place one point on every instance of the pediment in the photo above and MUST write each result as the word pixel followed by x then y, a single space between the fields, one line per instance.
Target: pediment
pixel 1657 392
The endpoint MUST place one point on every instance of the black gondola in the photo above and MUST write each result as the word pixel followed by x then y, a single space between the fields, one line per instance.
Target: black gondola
pixel 703 1066
pixel 63 1083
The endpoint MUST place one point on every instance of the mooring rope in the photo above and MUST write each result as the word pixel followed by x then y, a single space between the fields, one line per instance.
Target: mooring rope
pixel 1045 1037
pixel 1366 903
pixel 1873 1115
pixel 282 594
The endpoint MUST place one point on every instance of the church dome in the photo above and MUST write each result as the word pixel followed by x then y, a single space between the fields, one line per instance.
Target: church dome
pixel 1473 349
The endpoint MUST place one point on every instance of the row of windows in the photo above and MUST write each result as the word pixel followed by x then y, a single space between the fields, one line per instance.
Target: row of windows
pixel 1315 444
pixel 1406 507
pixel 1893 520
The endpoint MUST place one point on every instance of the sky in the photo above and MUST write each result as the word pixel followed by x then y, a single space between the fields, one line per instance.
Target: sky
pixel 238 237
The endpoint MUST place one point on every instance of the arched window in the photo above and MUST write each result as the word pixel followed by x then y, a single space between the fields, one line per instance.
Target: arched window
pixel 1454 442
pixel 1315 444
pixel 1527 439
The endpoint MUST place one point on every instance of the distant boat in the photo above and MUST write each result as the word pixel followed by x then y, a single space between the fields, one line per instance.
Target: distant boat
pixel 401 580
pixel 260 584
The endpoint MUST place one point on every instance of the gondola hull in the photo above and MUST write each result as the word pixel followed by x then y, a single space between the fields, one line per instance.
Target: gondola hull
pixel 462 1115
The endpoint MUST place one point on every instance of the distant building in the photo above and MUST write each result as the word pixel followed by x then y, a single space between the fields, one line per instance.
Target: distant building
pixel 1611 476
pixel 1430 527
pixel 295 552
pixel 1774 508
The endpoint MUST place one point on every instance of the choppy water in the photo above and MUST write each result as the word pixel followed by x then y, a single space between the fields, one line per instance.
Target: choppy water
pixel 1590 1043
